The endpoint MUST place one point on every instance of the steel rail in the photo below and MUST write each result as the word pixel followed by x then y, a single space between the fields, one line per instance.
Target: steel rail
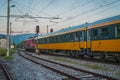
pixel 53 69
pixel 81 70
pixel 6 71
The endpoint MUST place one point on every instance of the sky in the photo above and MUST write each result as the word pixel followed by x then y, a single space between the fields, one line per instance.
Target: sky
pixel 69 12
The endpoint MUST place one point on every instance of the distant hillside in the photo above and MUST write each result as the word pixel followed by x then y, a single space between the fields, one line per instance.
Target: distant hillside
pixel 2 36
pixel 21 37
pixel 18 38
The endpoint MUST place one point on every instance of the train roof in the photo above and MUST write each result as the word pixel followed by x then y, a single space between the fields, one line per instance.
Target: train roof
pixel 82 26
pixel 106 20
pixel 64 30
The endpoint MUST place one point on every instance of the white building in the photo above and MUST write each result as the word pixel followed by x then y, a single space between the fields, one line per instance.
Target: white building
pixel 3 43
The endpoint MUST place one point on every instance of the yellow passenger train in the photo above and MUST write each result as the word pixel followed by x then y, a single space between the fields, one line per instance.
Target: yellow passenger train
pixel 100 38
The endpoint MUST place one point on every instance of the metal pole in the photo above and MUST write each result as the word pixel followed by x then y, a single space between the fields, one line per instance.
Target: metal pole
pixel 10 38
pixel 8 15
pixel 47 29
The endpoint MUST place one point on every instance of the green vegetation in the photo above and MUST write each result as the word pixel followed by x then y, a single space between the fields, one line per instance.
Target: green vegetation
pixel 118 73
pixel 8 57
pixel 3 53
pixel 92 66
pixel 19 45
pixel 63 60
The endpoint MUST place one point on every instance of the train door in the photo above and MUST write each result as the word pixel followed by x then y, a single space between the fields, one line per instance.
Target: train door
pixel 89 42
pixel 82 41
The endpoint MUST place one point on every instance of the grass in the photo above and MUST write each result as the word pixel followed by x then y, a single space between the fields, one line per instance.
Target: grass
pixel 118 73
pixel 63 60
pixel 8 57
pixel 3 54
pixel 91 66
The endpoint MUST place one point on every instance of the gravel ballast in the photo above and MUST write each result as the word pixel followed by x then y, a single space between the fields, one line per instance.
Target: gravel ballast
pixel 101 68
pixel 22 69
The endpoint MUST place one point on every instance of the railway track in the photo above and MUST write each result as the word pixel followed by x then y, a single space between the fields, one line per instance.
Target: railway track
pixel 78 58
pixel 4 73
pixel 69 71
pixel 85 59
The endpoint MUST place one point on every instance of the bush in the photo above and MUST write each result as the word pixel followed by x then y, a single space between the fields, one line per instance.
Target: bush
pixel 3 53
pixel 12 51
pixel 8 57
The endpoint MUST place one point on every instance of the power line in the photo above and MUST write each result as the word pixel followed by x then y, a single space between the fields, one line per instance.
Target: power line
pixel 71 9
pixel 37 2
pixel 46 6
pixel 27 7
pixel 89 11
pixel 96 14
pixel 19 10
pixel 3 4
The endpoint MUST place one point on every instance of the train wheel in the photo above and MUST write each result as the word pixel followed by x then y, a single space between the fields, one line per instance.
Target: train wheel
pixel 82 56
pixel 117 59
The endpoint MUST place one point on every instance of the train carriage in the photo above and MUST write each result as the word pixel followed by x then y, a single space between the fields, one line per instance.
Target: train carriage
pixel 100 38
pixel 104 37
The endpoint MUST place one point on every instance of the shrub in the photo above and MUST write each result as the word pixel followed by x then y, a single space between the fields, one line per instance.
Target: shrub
pixel 8 57
pixel 3 52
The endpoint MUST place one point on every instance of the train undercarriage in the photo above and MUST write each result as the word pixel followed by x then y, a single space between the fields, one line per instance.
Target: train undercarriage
pixel 105 56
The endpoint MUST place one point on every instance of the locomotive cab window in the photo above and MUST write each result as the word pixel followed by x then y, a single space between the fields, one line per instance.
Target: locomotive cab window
pixel 117 31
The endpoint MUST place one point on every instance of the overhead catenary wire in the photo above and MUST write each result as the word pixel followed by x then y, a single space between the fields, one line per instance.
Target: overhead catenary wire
pixel 34 11
pixel 19 10
pixel 36 4
pixel 3 4
pixel 97 8
pixel 46 6
pixel 94 14
pixel 73 8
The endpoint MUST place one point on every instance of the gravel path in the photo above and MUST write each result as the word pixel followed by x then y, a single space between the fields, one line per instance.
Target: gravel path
pixel 23 69
pixel 101 68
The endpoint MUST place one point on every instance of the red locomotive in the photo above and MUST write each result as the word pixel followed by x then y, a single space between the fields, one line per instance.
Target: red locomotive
pixel 29 45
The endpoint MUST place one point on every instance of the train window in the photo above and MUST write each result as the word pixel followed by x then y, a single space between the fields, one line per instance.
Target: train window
pixel 71 37
pixel 117 31
pixel 68 37
pixel 95 34
pixel 105 33
pixel 81 35
pixel 75 36
pixel 58 38
pixel 88 35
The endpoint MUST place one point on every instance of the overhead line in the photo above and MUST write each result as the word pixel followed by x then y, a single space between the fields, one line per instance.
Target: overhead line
pixel 37 2
pixel 3 4
pixel 75 7
pixel 33 10
pixel 93 15
pixel 47 6
pixel 89 11
pixel 19 10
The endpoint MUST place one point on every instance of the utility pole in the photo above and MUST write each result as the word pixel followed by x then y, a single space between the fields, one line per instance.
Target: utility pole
pixel 8 19
pixel 10 35
pixel 47 29
pixel 37 33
